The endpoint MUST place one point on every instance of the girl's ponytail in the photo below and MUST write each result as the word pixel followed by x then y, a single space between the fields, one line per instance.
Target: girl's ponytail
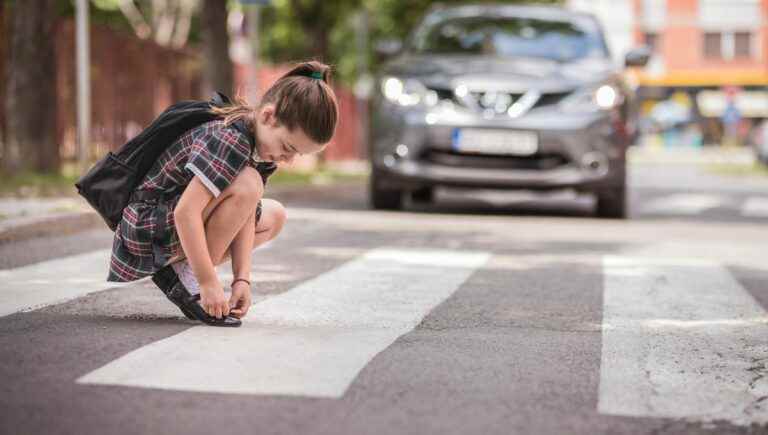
pixel 311 69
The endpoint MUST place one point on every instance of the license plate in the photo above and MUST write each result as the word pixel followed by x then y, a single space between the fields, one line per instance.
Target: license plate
pixel 495 141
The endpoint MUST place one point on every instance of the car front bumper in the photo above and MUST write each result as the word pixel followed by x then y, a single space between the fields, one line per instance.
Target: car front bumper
pixel 568 146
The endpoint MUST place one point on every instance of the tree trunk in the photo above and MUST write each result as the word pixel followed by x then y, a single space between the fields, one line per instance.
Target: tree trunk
pixel 320 43
pixel 218 68
pixel 3 57
pixel 30 99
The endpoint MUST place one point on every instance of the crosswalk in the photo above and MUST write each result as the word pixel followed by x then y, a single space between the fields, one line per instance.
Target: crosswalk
pixel 692 204
pixel 668 330
pixel 311 341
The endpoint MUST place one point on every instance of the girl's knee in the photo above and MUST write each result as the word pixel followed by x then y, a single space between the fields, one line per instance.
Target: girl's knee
pixel 274 216
pixel 247 185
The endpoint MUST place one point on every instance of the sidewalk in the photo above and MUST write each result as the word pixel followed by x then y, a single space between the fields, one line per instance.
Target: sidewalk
pixel 27 218
pixel 642 154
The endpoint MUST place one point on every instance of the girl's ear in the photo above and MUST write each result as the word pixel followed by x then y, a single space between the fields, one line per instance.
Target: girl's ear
pixel 267 115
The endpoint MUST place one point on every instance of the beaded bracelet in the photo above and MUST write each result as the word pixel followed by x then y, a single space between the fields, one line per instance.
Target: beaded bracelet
pixel 240 279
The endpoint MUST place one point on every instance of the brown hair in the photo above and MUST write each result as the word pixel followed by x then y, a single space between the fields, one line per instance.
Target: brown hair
pixel 300 100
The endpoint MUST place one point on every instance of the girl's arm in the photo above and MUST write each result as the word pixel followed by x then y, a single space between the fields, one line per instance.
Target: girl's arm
pixel 190 227
pixel 240 250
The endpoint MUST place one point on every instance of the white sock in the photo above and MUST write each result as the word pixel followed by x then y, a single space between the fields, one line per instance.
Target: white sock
pixel 186 276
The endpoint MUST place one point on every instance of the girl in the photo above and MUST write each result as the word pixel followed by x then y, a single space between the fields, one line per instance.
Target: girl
pixel 213 181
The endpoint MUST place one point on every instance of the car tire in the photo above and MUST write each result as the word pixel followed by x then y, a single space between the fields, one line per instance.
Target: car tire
pixel 612 203
pixel 423 195
pixel 383 198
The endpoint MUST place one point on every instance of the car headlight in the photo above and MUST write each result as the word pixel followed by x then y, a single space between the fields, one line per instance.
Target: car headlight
pixel 407 92
pixel 592 99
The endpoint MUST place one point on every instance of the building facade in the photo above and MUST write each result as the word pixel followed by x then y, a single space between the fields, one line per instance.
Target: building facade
pixel 707 55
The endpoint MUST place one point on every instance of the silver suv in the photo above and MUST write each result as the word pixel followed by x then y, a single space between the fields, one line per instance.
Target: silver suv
pixel 496 96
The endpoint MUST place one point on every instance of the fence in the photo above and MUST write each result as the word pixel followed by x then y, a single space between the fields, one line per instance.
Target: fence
pixel 133 80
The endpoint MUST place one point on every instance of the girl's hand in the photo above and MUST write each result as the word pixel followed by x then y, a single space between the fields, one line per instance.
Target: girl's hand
pixel 213 300
pixel 240 301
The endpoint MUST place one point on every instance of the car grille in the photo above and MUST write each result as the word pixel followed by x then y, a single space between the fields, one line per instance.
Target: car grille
pixel 455 159
pixel 545 99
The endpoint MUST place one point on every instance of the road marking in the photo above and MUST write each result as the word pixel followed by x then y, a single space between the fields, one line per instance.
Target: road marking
pixel 681 339
pixel 310 341
pixel 755 206
pixel 51 282
pixel 683 203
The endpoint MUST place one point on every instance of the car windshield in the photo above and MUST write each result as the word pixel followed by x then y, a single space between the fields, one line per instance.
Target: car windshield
pixel 513 37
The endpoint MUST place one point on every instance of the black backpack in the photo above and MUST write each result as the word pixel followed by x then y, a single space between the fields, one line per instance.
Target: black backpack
pixel 109 185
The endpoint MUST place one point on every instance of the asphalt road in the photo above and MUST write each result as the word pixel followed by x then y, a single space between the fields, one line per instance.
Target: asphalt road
pixel 486 312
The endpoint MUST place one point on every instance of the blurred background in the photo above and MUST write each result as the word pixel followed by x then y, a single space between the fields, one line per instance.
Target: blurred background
pixel 704 86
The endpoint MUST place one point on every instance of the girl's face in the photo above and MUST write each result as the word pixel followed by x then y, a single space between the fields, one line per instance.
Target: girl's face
pixel 278 144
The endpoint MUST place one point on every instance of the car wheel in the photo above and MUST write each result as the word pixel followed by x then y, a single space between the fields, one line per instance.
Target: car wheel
pixel 612 203
pixel 424 194
pixel 383 198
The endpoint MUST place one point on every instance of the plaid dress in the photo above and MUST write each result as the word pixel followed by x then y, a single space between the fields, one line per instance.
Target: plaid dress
pixel 213 152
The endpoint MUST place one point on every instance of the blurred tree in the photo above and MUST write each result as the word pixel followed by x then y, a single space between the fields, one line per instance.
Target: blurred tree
pixel 299 29
pixel 167 22
pixel 3 43
pixel 30 94
pixel 218 70
pixel 171 22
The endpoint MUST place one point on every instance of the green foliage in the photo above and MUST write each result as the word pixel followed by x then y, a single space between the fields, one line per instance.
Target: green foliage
pixel 34 184
pixel 281 38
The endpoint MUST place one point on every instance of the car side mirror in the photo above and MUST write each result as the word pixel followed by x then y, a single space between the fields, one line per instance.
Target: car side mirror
pixel 638 56
pixel 388 47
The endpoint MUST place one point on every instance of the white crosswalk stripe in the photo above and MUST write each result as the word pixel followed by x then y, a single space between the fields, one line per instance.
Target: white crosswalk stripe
pixel 681 339
pixel 682 204
pixel 755 206
pixel 312 340
pixel 37 285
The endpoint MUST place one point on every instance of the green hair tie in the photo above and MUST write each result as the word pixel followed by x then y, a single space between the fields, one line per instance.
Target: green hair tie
pixel 317 75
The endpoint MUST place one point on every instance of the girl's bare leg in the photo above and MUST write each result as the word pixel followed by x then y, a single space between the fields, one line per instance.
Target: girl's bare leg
pixel 236 204
pixel 269 226
pixel 226 215
pixel 273 218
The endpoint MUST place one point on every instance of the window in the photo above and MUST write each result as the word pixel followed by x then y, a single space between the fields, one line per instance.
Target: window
pixel 652 41
pixel 742 44
pixel 561 40
pixel 727 45
pixel 713 46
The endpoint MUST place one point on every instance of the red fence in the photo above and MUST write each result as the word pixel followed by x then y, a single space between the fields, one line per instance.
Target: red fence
pixel 133 80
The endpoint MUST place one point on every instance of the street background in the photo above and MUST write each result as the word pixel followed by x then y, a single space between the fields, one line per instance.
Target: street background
pixel 484 311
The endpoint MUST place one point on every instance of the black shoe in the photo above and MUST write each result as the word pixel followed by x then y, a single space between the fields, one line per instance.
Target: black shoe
pixel 165 279
pixel 170 284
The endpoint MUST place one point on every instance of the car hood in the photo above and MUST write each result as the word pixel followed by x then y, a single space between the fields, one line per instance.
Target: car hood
pixel 499 73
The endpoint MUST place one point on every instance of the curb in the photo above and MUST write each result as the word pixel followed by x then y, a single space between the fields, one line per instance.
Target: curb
pixel 19 229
